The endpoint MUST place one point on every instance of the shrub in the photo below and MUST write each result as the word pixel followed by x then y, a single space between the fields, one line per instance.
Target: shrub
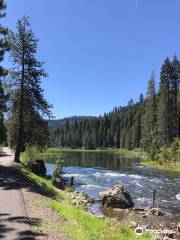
pixel 30 155
pixel 152 153
pixel 171 153
pixel 59 167
pixel 165 154
pixel 175 150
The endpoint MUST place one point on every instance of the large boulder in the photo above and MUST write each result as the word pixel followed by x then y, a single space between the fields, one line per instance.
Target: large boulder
pixel 116 197
pixel 38 167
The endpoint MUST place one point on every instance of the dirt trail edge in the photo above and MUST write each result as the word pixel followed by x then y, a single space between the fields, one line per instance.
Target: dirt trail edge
pixel 14 223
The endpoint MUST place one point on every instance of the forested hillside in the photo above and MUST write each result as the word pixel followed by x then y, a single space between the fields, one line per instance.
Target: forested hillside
pixel 152 122
pixel 58 123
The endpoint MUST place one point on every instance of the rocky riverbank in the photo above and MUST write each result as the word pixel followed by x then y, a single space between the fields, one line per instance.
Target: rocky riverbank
pixel 164 225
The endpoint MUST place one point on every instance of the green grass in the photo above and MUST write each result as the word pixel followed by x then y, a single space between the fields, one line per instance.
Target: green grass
pixel 129 153
pixel 170 166
pixel 83 226
pixel 78 223
pixel 47 186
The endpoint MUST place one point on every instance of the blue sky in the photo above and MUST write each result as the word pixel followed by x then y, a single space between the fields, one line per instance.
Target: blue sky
pixel 99 53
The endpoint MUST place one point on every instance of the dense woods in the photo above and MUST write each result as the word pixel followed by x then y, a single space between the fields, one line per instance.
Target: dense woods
pixel 152 122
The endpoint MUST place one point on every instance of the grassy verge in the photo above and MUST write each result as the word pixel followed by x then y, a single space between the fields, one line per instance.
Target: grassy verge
pixel 138 153
pixel 47 186
pixel 78 223
pixel 170 166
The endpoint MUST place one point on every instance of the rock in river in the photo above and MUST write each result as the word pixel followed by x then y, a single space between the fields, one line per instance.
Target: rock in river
pixel 116 197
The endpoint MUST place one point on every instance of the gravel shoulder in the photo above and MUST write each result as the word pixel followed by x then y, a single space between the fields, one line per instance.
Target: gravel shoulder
pixel 49 225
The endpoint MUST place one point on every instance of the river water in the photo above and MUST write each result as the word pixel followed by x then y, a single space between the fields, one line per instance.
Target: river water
pixel 94 172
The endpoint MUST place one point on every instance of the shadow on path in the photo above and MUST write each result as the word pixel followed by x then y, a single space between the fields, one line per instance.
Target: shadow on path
pixel 4 154
pixel 22 235
pixel 12 179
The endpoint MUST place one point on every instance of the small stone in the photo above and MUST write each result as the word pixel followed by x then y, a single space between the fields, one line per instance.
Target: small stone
pixel 133 224
pixel 145 215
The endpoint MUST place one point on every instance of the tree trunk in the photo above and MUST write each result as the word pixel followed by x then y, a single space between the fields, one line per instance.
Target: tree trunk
pixel 21 113
pixel 17 155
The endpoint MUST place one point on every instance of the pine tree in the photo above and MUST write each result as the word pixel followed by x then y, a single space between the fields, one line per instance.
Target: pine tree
pixel 149 121
pixel 3 72
pixel 149 118
pixel 174 88
pixel 29 104
pixel 3 40
pixel 165 104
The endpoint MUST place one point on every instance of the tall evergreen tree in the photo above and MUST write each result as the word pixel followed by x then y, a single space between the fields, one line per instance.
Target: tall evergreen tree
pixel 149 121
pixel 3 40
pixel 3 72
pixel 29 104
pixel 174 88
pixel 165 104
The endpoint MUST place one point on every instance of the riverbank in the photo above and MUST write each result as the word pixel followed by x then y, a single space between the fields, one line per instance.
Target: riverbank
pixel 119 151
pixel 170 166
pixel 136 153
pixel 76 223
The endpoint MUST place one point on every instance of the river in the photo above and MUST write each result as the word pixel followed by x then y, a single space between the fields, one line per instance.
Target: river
pixel 94 172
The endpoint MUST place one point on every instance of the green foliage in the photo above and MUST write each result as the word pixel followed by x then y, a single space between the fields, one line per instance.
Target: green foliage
pixel 164 155
pixel 59 167
pixel 149 138
pixel 119 128
pixel 152 152
pixel 31 154
pixel 171 153
pixel 175 150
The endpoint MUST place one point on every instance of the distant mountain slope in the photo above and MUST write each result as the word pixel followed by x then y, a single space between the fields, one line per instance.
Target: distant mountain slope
pixel 58 123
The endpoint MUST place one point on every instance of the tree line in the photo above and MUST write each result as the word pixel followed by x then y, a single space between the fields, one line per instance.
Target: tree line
pixel 21 96
pixel 152 122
